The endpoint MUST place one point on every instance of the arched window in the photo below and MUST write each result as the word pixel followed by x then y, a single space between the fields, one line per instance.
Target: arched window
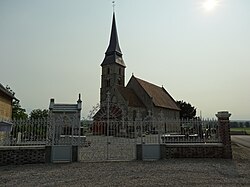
pixel 134 115
pixel 114 100
pixel 119 81
pixel 108 82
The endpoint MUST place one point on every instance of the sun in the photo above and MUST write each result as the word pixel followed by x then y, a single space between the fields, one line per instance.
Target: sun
pixel 210 5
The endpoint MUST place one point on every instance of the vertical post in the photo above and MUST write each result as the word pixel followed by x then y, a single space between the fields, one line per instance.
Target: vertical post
pixel 138 120
pixel 79 107
pixel 224 133
pixel 79 128
pixel 72 128
pixel 53 129
pixel 108 100
pixel 19 135
pixel 160 124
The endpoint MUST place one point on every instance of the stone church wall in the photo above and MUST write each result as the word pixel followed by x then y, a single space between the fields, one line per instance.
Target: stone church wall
pixel 167 113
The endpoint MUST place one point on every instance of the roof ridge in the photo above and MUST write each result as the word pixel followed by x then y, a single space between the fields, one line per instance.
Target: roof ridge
pixel 7 92
pixel 148 82
pixel 159 95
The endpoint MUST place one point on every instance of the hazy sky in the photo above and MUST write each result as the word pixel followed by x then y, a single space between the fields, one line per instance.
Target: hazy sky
pixel 54 48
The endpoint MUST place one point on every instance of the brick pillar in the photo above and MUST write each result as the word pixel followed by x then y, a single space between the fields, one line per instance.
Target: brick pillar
pixel 224 131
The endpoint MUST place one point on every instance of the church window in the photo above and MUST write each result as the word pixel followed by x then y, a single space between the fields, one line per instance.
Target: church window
pixel 134 115
pixel 108 71
pixel 108 82
pixel 114 100
pixel 119 81
pixel 120 71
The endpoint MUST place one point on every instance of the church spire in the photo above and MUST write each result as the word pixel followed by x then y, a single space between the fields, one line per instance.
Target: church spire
pixel 113 67
pixel 114 43
pixel 113 53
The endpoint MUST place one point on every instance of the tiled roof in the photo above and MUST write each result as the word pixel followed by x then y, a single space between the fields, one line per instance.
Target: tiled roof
pixel 64 108
pixel 130 96
pixel 161 98
pixel 6 92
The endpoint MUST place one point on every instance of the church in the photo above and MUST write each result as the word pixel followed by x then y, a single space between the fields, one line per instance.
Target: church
pixel 138 98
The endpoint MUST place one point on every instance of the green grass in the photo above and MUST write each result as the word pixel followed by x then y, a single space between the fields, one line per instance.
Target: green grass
pixel 247 129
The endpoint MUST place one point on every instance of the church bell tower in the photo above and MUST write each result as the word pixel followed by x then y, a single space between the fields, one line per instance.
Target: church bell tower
pixel 113 66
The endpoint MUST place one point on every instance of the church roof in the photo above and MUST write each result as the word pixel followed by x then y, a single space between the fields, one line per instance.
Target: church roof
pixel 113 53
pixel 130 96
pixel 114 43
pixel 160 97
pixel 111 59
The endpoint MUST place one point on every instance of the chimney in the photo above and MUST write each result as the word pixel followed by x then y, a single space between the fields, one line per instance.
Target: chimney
pixel 52 102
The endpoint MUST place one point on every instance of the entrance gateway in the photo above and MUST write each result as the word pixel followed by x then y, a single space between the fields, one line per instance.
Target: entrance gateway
pixel 98 141
pixel 64 132
pixel 115 138
pixel 107 142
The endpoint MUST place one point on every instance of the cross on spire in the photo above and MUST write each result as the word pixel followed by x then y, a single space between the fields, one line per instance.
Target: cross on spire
pixel 113 54
pixel 113 4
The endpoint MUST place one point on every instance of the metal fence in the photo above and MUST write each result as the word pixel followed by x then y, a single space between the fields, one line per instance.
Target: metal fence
pixel 26 132
pixel 53 130
pixel 158 131
pixel 47 131
pixel 117 139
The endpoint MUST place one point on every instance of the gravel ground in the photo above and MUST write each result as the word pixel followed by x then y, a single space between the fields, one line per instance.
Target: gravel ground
pixel 172 172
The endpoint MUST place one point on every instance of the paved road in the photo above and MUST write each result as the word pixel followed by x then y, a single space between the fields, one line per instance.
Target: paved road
pixel 243 140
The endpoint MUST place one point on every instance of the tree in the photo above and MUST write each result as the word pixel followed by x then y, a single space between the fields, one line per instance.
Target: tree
pixel 39 113
pixel 17 111
pixel 247 124
pixel 93 111
pixel 187 110
pixel 234 124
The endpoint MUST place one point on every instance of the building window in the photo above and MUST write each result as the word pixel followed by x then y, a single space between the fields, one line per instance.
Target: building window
pixel 108 71
pixel 119 81
pixel 134 115
pixel 108 82
pixel 120 71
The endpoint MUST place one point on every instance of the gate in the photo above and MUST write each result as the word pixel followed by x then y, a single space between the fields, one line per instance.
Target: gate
pixel 118 139
pixel 108 141
pixel 64 133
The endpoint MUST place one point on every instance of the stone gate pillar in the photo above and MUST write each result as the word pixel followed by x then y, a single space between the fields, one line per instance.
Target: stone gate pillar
pixel 224 132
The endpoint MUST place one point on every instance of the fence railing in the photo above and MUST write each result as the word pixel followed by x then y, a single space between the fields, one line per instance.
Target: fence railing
pixel 158 131
pixel 26 132
pixel 46 131
pixel 57 130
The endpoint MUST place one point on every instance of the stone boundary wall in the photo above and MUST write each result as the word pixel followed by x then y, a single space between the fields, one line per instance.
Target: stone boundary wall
pixel 209 150
pixel 187 150
pixel 17 155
